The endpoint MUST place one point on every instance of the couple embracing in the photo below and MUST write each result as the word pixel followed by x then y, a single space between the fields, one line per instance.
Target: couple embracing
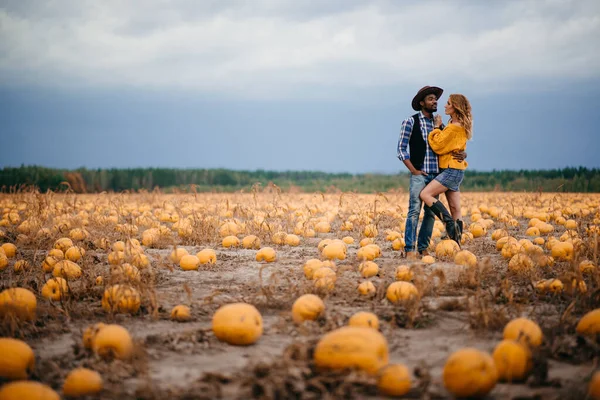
pixel 435 155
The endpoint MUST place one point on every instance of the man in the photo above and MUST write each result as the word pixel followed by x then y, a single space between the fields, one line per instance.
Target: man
pixel 414 151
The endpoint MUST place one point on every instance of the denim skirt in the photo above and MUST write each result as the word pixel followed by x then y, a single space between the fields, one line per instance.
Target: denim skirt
pixel 451 178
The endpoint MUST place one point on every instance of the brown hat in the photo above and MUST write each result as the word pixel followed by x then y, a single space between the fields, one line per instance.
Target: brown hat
pixel 424 91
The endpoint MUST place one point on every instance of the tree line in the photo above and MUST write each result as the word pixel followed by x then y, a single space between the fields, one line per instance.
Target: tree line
pixel 84 180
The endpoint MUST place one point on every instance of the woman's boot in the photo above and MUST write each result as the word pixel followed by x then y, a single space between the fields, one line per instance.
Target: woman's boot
pixel 442 213
pixel 459 229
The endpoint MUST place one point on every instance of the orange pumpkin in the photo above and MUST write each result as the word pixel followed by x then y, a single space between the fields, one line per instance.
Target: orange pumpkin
pixel 352 347
pixel 470 373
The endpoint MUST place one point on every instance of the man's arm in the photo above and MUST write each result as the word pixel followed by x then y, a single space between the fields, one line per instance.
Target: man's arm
pixel 459 155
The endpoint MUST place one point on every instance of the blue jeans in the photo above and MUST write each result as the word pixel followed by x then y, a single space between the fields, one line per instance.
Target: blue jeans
pixel 418 183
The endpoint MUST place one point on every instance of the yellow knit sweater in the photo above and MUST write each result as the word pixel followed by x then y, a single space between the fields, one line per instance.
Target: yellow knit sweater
pixel 443 143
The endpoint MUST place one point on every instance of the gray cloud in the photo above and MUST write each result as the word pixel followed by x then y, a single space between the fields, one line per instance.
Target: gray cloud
pixel 276 48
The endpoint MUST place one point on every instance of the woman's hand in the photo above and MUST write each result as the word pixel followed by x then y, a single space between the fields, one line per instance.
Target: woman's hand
pixel 437 121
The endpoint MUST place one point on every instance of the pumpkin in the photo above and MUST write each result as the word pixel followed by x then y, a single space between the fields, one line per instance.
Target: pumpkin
pixel 189 262
pixel 74 253
pixel 335 250
pixel 231 241
pixel 307 307
pixel 524 331
pixel 121 299
pixel 366 288
pixel 539 241
pixel 21 265
pixel 348 239
pixel 17 359
pixel 116 257
pixel 89 334
pixel 477 229
pixel 368 269
pixel 594 386
pixel 251 242
pixel 238 324
pixel 292 240
pixel 266 254
pixel 589 324
pixel 323 227
pixel 500 243
pixel 562 251
pixel 401 291
pixel 394 380
pixel 25 390
pixel 571 224
pixel 311 266
pixel 352 347
pixel 368 252
pixel 470 372
pixel 67 269
pixel 3 261
pixel 324 272
pixel 181 313
pixel 82 382
pixel 10 250
pixel 113 341
pixel 549 285
pixel 63 244
pixel 18 302
pixel 520 263
pixel 78 234
pixel 278 238
pixel 404 273
pixel 499 233
pixel 398 244
pixel 428 259
pixel 323 243
pixel 119 245
pixel 533 231
pixel 513 361
pixel 140 260
pixel 55 289
pixel 586 267
pixel 177 253
pixel 365 241
pixel 370 231
pixel 446 249
pixel 229 228
pixel 364 318
pixel 207 256
pixel 465 258
pixel 545 228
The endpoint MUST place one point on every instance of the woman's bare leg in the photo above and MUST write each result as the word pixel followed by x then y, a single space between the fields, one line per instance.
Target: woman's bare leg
pixel 454 204
pixel 433 189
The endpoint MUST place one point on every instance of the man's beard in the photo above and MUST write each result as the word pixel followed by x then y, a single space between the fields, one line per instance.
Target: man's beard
pixel 431 110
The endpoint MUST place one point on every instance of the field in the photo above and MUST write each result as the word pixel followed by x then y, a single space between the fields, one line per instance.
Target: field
pixel 456 305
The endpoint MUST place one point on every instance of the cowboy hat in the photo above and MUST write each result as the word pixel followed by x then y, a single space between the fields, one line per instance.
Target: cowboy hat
pixel 424 91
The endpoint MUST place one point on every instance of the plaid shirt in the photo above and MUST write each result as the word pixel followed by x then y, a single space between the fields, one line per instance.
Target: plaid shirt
pixel 430 163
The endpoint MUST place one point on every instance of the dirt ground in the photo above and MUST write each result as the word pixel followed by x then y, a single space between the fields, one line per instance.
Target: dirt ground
pixel 460 307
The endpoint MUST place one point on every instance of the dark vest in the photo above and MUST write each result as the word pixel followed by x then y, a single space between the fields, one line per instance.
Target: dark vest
pixel 416 144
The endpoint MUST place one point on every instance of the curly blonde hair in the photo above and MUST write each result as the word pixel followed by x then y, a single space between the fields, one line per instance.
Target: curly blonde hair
pixel 462 108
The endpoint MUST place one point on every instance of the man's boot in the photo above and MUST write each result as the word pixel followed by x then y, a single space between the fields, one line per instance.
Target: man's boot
pixel 442 213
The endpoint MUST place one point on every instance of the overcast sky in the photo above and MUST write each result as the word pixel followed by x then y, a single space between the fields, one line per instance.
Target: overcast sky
pixel 293 85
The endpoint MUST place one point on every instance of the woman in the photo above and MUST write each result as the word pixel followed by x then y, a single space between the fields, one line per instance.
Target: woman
pixel 443 142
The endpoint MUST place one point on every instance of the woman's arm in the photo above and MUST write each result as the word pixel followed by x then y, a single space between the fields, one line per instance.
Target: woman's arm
pixel 440 141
